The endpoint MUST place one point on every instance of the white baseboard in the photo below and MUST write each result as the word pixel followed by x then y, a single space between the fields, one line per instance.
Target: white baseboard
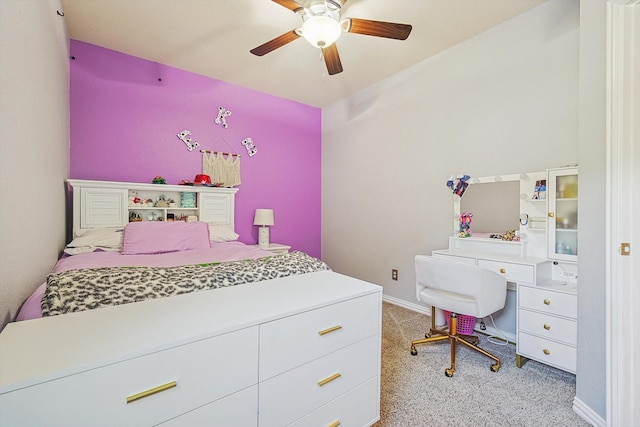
pixel 408 305
pixel 588 414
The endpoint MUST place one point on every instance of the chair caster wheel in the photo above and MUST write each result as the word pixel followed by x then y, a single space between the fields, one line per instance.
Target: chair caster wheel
pixel 495 368
pixel 427 335
pixel 414 352
pixel 448 372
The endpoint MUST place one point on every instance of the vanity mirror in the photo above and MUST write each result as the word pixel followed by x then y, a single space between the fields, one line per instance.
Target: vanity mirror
pixel 494 202
pixel 500 203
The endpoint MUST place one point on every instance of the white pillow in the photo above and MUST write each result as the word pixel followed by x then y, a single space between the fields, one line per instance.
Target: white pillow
pixel 222 233
pixel 96 238
pixel 107 237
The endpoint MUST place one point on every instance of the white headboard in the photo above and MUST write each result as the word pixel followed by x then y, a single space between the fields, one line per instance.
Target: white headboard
pixel 111 204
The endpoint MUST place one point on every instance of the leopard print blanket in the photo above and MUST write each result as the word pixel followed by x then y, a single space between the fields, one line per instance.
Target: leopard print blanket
pixel 87 289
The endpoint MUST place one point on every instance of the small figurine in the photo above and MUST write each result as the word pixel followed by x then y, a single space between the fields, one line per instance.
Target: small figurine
pixel 159 180
pixel 465 224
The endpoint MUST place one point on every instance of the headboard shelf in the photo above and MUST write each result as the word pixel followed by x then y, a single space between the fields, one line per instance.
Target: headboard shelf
pixel 113 204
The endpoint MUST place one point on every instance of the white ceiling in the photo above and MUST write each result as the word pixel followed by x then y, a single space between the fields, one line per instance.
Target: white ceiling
pixel 213 38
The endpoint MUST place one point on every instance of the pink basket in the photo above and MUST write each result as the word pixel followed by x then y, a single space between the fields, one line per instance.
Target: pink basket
pixel 465 323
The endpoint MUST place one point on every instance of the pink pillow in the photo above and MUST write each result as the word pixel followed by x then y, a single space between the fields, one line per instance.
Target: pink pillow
pixel 156 237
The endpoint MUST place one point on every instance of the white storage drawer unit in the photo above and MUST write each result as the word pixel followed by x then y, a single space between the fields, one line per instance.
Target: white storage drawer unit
pixel 351 409
pixel 232 407
pixel 291 395
pixel 204 351
pixel 547 324
pixel 511 271
pixel 552 353
pixel 549 301
pixel 293 341
pixel 552 327
pixel 99 396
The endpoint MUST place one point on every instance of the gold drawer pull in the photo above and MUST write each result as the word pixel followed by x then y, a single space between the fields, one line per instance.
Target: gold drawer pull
pixel 502 270
pixel 547 327
pixel 547 302
pixel 336 423
pixel 151 391
pixel 329 379
pixel 547 352
pixel 329 330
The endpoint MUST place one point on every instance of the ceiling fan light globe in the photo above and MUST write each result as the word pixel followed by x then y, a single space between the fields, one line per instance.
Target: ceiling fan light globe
pixel 321 31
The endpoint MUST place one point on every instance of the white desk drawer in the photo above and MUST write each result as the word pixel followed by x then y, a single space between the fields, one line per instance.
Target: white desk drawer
pixel 548 301
pixel 287 397
pixel 552 353
pixel 548 326
pixel 241 407
pixel 99 397
pixel 462 259
pixel 512 272
pixel 293 341
pixel 351 409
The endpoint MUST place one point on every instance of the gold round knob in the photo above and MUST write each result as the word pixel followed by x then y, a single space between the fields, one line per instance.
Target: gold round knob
pixel 551 214
pixel 547 302
pixel 547 327
pixel 547 352
pixel 502 270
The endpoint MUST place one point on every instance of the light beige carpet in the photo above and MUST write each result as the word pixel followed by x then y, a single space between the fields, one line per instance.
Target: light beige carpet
pixel 416 392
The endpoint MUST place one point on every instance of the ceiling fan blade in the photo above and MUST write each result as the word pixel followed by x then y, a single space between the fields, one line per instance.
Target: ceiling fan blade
pixel 289 4
pixel 389 30
pixel 272 45
pixel 332 59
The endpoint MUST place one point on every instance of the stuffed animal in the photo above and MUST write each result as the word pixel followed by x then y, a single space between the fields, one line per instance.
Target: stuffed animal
pixel 134 200
pixel 465 224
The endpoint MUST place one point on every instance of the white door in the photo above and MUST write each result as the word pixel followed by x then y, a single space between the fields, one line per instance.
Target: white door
pixel 623 228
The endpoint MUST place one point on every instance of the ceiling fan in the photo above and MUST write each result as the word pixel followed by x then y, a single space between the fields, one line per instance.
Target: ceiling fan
pixel 322 26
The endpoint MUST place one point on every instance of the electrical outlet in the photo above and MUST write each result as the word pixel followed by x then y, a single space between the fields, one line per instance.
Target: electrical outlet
pixel 394 274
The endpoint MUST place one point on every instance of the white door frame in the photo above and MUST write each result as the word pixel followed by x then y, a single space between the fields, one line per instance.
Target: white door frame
pixel 623 298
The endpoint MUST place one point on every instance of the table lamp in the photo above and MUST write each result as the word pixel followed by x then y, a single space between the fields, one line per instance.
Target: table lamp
pixel 263 218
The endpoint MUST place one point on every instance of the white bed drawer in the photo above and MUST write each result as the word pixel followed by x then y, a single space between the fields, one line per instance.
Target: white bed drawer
pixel 512 272
pixel 241 407
pixel 548 301
pixel 295 340
pixel 287 397
pixel 351 409
pixel 202 372
pixel 552 353
pixel 548 326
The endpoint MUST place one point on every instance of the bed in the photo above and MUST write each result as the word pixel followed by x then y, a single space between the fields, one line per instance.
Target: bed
pixel 181 324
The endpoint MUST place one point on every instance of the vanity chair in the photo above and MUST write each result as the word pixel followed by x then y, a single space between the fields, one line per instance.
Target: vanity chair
pixel 460 289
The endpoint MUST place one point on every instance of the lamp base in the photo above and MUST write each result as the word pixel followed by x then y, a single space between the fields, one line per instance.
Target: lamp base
pixel 263 237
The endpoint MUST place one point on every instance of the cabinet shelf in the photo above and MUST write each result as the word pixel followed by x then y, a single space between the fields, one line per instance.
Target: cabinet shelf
pixel 563 221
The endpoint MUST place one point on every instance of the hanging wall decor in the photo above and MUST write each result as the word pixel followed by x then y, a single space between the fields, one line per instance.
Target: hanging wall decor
pixel 223 113
pixel 252 150
pixel 184 137
pixel 223 168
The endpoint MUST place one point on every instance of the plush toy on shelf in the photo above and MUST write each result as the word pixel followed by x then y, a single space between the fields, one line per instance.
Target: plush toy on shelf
pixel 134 200
pixel 465 224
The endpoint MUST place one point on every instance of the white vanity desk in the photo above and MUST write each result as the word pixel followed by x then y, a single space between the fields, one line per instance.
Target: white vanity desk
pixel 540 313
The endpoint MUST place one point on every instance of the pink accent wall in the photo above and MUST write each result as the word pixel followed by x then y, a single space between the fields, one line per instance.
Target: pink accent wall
pixel 126 112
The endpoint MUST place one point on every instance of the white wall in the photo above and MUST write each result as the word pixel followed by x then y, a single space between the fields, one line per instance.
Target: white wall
pixel 34 124
pixel 503 102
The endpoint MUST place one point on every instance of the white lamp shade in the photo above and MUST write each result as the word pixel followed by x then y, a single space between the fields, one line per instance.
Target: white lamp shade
pixel 321 31
pixel 263 217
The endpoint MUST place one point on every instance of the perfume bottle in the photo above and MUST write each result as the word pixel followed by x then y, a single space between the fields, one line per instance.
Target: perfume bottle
pixel 560 248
